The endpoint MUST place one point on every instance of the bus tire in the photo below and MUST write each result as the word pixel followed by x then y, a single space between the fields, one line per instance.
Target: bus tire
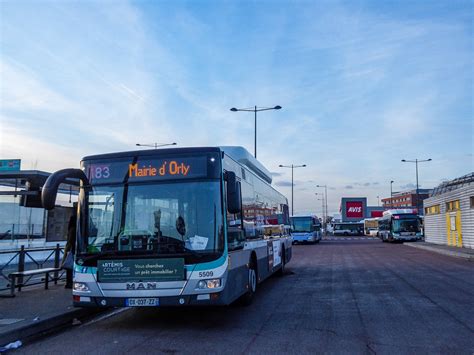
pixel 281 271
pixel 248 297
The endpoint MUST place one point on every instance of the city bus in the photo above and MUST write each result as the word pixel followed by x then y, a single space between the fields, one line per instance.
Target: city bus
pixel 305 229
pixel 348 228
pixel 173 227
pixel 400 225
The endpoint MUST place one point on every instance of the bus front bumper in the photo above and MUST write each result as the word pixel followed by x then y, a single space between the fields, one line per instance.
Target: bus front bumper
pixel 169 301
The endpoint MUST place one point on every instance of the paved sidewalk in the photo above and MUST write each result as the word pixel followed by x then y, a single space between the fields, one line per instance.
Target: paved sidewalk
pixel 35 311
pixel 464 253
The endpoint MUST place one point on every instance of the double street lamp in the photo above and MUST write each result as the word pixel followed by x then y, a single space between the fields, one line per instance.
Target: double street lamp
pixel 416 161
pixel 292 166
pixel 255 109
pixel 326 198
pixel 322 205
pixel 155 145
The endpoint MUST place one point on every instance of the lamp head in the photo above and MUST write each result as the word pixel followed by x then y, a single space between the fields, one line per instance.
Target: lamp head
pixel 430 159
pixel 233 109
pixel 281 166
pixel 403 160
pixel 304 165
pixel 277 107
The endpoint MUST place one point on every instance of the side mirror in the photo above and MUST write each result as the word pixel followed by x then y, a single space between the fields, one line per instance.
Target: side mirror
pixel 50 188
pixel 233 193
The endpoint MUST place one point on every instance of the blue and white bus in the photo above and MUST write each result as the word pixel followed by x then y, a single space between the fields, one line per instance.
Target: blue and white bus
pixel 173 227
pixel 305 229
pixel 400 225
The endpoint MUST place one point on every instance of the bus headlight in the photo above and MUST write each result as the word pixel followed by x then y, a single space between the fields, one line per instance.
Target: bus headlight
pixel 209 284
pixel 81 287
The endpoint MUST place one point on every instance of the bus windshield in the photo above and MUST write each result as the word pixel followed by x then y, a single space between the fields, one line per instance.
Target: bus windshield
pixel 406 225
pixel 302 225
pixel 151 219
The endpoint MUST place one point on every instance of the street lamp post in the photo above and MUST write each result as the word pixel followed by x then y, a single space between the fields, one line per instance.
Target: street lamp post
pixel 255 109
pixel 391 193
pixel 326 198
pixel 416 161
pixel 322 206
pixel 292 166
pixel 155 145
pixel 378 201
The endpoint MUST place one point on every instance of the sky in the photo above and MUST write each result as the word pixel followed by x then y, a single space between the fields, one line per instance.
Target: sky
pixel 362 85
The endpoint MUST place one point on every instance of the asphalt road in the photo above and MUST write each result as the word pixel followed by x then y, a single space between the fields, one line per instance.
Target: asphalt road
pixel 340 296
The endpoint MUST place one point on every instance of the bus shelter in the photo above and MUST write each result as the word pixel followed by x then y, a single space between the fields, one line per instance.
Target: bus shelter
pixel 21 213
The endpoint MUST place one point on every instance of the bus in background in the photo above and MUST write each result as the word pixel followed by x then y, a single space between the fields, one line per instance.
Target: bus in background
pixel 400 224
pixel 173 227
pixel 348 228
pixel 305 229
pixel 371 226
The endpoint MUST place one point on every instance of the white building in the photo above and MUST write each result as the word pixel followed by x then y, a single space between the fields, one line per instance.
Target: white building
pixel 449 213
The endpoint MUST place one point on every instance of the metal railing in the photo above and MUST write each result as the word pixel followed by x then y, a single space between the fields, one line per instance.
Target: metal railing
pixel 29 259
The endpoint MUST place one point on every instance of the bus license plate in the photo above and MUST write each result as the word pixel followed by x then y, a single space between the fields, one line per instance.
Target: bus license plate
pixel 142 302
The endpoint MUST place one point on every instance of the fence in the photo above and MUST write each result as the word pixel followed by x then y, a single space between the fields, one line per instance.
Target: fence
pixel 29 259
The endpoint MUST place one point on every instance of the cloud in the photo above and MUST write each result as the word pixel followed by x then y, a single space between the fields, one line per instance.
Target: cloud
pixel 283 183
pixel 276 174
pixel 408 186
pixel 348 187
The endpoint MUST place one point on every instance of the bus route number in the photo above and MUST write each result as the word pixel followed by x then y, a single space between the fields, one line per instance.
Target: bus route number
pixel 206 273
pixel 100 172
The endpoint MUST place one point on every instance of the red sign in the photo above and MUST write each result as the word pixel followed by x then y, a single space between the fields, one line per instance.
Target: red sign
pixel 354 209
pixel 374 214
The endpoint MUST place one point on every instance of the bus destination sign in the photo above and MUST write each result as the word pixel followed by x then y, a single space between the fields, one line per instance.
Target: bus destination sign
pixel 147 169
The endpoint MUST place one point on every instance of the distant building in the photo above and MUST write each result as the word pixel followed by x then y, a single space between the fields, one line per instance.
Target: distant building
pixel 355 209
pixel 404 199
pixel 449 213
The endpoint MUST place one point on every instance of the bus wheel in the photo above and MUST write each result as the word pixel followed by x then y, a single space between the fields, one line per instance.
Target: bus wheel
pixel 282 269
pixel 247 298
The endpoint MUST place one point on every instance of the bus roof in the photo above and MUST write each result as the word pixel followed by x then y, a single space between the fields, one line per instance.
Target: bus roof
pixel 400 211
pixel 154 152
pixel 242 156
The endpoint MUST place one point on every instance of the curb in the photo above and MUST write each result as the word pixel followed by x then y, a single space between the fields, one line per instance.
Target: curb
pixel 32 331
pixel 454 253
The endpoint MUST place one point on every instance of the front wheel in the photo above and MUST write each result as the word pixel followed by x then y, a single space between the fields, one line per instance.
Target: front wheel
pixel 248 297
pixel 282 269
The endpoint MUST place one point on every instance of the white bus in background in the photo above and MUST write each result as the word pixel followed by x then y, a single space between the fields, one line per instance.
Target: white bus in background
pixel 348 228
pixel 305 229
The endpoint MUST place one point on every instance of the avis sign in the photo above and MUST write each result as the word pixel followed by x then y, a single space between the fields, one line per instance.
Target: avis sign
pixel 354 209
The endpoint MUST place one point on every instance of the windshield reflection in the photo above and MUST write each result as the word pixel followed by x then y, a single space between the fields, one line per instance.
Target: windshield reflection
pixel 152 219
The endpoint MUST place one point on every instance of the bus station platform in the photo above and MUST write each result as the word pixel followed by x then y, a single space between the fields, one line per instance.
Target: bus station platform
pixel 464 253
pixel 35 311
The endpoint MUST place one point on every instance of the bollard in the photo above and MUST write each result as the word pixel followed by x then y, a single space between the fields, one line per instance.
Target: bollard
pixel 21 266
pixel 56 263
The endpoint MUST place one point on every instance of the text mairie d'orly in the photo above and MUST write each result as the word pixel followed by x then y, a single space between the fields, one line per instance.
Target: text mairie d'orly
pixel 167 168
